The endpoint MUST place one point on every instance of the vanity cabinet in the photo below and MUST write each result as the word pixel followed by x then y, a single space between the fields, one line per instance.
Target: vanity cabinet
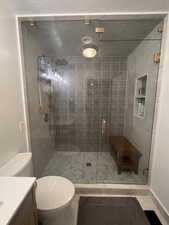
pixel 27 213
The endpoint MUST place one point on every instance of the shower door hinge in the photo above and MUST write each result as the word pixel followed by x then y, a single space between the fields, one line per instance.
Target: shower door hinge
pixel 99 30
pixel 157 57
pixel 161 28
pixel 146 172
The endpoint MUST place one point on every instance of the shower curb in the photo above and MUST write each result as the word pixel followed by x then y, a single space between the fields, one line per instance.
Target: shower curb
pixel 112 189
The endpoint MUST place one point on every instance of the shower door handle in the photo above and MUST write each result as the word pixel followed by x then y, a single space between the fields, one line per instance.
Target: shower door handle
pixel 103 128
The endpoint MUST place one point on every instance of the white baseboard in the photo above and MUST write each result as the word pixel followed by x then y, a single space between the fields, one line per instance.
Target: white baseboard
pixel 160 205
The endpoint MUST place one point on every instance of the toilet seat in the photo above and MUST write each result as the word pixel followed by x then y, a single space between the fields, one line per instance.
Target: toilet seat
pixel 53 192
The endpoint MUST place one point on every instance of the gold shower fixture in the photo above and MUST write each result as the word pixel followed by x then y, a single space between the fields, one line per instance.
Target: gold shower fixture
pixel 103 127
pixel 161 28
pixel 99 29
pixel 87 21
pixel 157 57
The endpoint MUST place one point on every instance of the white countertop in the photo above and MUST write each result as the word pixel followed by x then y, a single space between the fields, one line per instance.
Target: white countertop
pixel 13 190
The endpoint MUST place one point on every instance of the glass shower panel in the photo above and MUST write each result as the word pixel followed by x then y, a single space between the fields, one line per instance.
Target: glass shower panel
pixel 80 104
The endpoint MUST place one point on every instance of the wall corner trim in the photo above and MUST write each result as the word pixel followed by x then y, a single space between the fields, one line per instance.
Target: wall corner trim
pixel 159 205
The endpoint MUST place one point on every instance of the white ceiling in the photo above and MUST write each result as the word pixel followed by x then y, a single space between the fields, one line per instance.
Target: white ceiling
pixel 85 6
pixel 63 38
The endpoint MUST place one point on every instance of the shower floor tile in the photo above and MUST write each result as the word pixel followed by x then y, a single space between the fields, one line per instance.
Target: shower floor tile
pixel 89 167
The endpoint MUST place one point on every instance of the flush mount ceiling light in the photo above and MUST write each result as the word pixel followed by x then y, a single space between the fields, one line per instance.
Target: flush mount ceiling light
pixel 89 50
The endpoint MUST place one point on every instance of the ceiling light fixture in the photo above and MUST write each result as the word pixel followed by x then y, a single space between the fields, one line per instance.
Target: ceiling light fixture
pixel 89 50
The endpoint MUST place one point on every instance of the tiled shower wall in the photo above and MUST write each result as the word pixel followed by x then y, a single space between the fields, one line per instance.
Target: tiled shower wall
pixel 87 92
pixel 140 62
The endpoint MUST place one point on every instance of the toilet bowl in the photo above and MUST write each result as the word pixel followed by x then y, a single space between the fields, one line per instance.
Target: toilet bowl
pixel 54 196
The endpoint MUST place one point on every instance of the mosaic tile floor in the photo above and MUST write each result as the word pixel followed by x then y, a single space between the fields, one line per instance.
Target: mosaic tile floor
pixel 89 167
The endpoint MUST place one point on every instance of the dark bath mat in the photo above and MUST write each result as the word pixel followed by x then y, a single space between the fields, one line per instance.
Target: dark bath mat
pixel 110 211
pixel 152 217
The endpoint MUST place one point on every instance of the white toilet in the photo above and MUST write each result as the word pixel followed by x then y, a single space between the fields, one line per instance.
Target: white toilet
pixel 53 193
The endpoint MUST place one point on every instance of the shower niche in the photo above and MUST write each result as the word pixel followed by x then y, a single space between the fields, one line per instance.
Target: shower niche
pixel 140 96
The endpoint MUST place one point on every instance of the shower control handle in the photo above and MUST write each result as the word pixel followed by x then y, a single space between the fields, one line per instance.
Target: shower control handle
pixel 103 128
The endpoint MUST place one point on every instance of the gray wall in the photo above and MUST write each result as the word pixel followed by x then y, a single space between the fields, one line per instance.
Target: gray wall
pixel 41 141
pixel 12 140
pixel 79 6
pixel 140 62
pixel 95 90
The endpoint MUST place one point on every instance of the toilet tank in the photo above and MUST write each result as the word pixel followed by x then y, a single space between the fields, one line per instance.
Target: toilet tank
pixel 19 166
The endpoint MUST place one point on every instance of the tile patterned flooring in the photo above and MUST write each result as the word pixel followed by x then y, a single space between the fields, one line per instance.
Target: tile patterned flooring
pixel 73 165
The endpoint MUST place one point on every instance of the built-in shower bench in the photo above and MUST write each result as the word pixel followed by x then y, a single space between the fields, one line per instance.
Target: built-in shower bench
pixel 125 154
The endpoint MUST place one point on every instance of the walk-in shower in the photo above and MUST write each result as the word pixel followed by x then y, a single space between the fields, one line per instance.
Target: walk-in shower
pixel 91 90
